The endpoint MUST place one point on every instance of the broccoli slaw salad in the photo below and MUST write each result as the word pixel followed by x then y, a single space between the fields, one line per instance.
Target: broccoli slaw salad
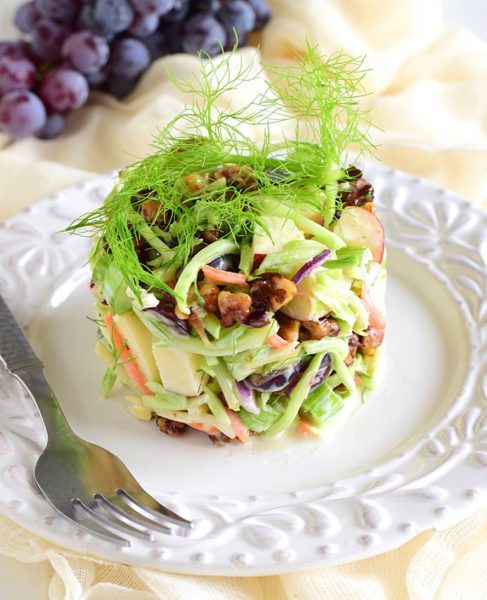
pixel 238 284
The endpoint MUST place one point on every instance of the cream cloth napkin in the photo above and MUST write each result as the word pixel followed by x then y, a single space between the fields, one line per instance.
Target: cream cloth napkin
pixel 430 100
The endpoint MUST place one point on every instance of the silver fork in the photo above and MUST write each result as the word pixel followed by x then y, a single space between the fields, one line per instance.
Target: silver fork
pixel 82 481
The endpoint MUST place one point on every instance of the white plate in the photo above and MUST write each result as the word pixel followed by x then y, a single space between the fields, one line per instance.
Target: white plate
pixel 414 456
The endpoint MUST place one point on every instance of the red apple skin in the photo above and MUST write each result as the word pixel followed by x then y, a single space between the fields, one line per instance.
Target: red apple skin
pixel 360 228
pixel 258 258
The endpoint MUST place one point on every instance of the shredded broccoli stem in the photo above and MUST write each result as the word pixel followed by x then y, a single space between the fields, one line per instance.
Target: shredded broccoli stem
pixel 297 397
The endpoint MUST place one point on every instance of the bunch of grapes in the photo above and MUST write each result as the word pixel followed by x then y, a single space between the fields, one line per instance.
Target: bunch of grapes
pixel 75 45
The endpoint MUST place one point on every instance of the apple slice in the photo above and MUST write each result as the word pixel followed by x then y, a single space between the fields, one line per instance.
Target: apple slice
pixel 304 306
pixel 359 228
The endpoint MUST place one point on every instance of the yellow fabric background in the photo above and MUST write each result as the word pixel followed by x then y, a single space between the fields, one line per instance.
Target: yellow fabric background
pixel 430 85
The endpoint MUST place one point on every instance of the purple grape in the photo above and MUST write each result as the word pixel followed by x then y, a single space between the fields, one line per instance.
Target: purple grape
pixel 64 89
pixel 210 7
pixel 262 12
pixel 173 35
pixel 26 17
pixel 113 15
pixel 21 114
pixel 238 16
pixel 15 50
pixel 203 33
pixel 129 57
pixel 119 87
pixel 147 7
pixel 16 74
pixel 54 126
pixel 178 12
pixel 227 262
pixel 98 78
pixel 158 45
pixel 86 51
pixel 64 11
pixel 144 25
pixel 86 21
pixel 48 37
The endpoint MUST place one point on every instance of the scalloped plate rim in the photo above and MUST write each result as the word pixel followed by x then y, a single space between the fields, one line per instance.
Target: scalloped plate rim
pixel 462 506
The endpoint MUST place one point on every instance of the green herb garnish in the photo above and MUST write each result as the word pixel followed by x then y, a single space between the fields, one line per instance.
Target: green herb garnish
pixel 323 93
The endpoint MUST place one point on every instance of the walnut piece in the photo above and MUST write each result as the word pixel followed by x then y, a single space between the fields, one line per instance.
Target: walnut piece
pixel 288 327
pixel 271 291
pixel 209 292
pixel 322 328
pixel 151 211
pixel 234 307
pixel 174 428
pixel 237 176
pixel 370 342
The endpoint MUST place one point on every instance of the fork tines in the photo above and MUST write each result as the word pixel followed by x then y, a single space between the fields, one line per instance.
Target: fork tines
pixel 118 518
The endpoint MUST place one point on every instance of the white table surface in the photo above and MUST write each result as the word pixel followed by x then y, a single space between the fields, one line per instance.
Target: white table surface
pixel 19 581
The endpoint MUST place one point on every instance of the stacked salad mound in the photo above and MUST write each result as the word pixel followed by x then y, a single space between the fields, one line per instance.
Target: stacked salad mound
pixel 239 285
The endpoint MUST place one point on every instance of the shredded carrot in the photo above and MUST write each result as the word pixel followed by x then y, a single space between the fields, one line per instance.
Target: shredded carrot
pixel 238 427
pixel 304 429
pixel 219 276
pixel 376 320
pixel 205 428
pixel 197 323
pixel 276 341
pixel 126 357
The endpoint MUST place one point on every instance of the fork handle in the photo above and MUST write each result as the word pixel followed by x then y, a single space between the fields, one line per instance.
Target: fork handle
pixel 57 427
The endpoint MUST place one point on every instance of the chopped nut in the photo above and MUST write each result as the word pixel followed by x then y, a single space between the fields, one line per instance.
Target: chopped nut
pixel 196 182
pixel 210 235
pixel 237 176
pixel 370 342
pixel 151 211
pixel 209 292
pixel 271 291
pixel 174 428
pixel 288 327
pixel 234 307
pixel 353 344
pixel 322 328
pixel 220 439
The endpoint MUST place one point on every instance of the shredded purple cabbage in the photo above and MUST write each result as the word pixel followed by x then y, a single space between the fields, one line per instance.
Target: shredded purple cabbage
pixel 323 372
pixel 165 312
pixel 321 375
pixel 309 266
pixel 274 381
pixel 247 397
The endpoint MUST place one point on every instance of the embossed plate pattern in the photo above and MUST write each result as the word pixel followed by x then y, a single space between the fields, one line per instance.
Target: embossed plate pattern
pixel 414 456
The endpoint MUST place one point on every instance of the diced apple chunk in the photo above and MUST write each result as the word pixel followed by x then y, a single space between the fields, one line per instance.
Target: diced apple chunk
pixel 305 306
pixel 281 230
pixel 180 371
pixel 139 340
pixel 359 228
